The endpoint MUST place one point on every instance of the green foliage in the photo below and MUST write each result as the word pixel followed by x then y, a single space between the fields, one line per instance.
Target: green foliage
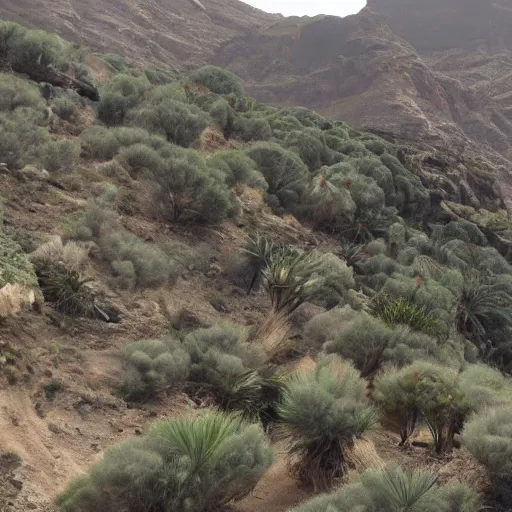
pixel 481 385
pixel 152 267
pixel 179 122
pixel 320 415
pixel 402 312
pixel 252 128
pixel 423 390
pixel 489 438
pixel 15 267
pixel 310 145
pixel 218 80
pixel 67 290
pixel 116 61
pixel 100 143
pixel 292 278
pixel 238 168
pixel 365 341
pixel 17 93
pixel 189 186
pixel 223 359
pixel 152 366
pixel 140 157
pixel 65 108
pixel 483 304
pixel 198 464
pixel 121 94
pixel 395 489
pixel 283 170
pixel 60 155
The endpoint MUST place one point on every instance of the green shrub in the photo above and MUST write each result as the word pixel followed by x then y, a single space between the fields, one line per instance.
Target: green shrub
pixel 292 278
pixel 364 341
pixel 422 390
pixel 283 170
pixel 188 186
pixel 100 143
pixel 321 414
pixel 139 157
pixel 310 145
pixel 489 438
pixel 153 268
pixel 238 168
pixel 197 464
pixel 172 91
pixel 16 92
pixel 116 61
pixel 326 326
pixel 152 366
pixel 223 115
pixel 252 129
pixel 178 122
pixel 394 489
pixel 126 276
pixel 61 155
pixel 15 267
pixel 218 80
pixel 23 136
pixel 329 208
pixel 482 385
pixel 223 359
pixel 65 107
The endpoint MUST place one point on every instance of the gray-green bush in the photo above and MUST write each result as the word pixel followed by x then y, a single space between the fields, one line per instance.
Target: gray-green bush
pixel 199 464
pixel 394 489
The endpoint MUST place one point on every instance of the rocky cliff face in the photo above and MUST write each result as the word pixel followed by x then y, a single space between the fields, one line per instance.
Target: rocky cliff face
pixel 437 72
pixel 357 69
pixel 169 32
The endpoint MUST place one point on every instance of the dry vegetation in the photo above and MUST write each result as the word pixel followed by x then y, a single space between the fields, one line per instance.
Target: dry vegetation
pixel 243 306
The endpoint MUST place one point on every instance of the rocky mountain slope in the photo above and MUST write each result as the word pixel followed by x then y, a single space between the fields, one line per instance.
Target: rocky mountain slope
pixel 168 32
pixel 439 74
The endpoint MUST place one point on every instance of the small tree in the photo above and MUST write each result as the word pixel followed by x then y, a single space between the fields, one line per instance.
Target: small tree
pixel 187 185
pixel 321 414
pixel 201 464
pixel 422 390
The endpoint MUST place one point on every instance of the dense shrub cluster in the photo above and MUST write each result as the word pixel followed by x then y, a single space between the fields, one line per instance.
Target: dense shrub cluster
pixel 198 464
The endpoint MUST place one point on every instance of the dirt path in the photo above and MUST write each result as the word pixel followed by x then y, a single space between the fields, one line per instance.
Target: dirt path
pixel 277 491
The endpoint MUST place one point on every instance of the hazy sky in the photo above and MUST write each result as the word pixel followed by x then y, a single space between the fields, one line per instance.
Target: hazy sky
pixel 309 7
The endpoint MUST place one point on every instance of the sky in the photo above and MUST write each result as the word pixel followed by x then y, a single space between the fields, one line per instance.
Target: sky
pixel 309 7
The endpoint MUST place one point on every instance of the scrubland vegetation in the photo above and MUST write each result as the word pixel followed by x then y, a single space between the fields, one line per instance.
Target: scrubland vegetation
pixel 416 328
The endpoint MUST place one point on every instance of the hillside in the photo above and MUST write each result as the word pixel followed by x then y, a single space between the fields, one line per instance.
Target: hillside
pixel 208 303
pixel 172 33
pixel 436 73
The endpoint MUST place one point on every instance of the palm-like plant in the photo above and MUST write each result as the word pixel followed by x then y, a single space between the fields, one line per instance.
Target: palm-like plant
pixel 321 414
pixel 292 278
pixel 484 303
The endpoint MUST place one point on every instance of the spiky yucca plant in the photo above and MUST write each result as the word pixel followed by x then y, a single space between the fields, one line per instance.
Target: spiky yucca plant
pixel 321 414
pixel 292 278
pixel 197 464
pixel 484 303
pixel 67 290
pixel 400 311
pixel 393 489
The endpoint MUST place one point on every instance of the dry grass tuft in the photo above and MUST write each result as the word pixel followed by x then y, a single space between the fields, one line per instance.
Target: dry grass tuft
pixel 273 334
pixel 13 298
pixel 72 255
pixel 211 140
pixel 362 456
